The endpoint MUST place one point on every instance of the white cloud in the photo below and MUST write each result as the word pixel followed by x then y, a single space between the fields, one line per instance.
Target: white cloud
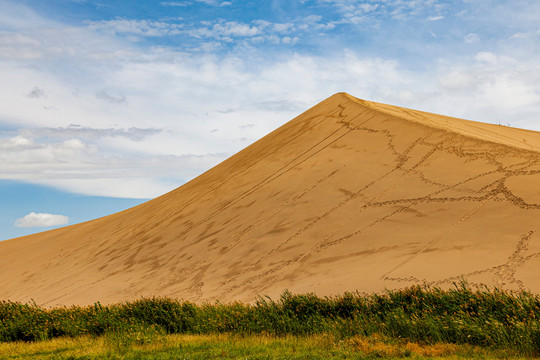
pixel 233 28
pixel 175 3
pixel 280 28
pixel 472 38
pixel 520 35
pixel 457 81
pixel 187 3
pixel 16 16
pixel 88 133
pixel 108 166
pixel 215 2
pixel 510 93
pixel 137 27
pixel 94 114
pixel 114 99
pixel 486 57
pixel 355 11
pixel 435 18
pixel 367 8
pixel 289 40
pixel 177 101
pixel 23 152
pixel 17 142
pixel 36 93
pixel 220 30
pixel 115 187
pixel 41 220
pixel 313 22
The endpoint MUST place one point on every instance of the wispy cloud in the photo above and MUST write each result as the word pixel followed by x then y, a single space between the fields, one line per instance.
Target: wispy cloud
pixel 356 11
pixel 435 18
pixel 114 99
pixel 187 3
pixel 41 220
pixel 94 167
pixel 481 87
pixel 36 93
pixel 137 27
pixel 85 132
pixel 148 94
pixel 176 3
pixel 256 31
pixel 471 38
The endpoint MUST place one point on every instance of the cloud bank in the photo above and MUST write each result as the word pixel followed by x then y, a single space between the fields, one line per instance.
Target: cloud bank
pixel 134 107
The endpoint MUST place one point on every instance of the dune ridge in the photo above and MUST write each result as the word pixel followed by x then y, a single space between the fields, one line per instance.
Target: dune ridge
pixel 350 195
pixel 501 134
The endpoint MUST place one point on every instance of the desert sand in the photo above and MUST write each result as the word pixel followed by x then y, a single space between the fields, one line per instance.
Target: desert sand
pixel 350 195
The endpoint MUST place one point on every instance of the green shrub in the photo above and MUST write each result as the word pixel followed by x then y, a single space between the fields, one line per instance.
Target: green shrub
pixel 489 318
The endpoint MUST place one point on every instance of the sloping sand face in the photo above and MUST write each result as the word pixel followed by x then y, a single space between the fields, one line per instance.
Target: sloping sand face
pixel 351 195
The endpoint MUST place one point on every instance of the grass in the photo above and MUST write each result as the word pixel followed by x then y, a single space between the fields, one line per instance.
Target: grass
pixel 230 346
pixel 417 321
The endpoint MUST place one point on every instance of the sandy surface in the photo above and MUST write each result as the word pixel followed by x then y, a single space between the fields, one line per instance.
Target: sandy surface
pixel 351 195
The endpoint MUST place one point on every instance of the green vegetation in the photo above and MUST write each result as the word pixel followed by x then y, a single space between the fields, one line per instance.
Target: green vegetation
pixel 397 324
pixel 230 346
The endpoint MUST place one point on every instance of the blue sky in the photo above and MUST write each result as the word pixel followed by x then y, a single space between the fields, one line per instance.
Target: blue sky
pixel 107 103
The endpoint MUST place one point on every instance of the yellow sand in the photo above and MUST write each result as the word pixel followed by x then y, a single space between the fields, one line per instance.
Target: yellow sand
pixel 350 195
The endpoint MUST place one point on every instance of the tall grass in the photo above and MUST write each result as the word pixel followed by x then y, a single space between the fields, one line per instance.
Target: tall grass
pixel 487 318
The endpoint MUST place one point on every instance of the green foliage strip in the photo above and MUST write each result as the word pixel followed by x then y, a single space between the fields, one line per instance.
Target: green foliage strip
pixel 487 318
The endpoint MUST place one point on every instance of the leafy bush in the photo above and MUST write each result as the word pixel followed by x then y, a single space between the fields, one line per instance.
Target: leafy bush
pixel 489 318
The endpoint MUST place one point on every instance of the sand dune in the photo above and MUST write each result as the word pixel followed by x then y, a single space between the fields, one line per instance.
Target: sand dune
pixel 350 195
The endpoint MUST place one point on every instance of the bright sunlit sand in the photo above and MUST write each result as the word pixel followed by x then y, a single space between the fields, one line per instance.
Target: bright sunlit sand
pixel 350 195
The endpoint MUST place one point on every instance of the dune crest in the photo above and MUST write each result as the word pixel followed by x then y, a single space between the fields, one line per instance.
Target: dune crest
pixel 350 195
